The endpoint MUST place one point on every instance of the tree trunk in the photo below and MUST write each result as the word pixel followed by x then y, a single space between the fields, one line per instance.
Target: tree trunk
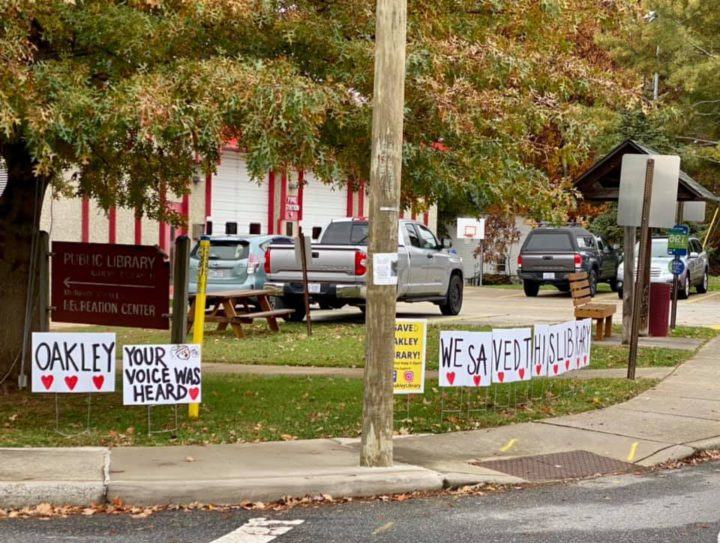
pixel 20 209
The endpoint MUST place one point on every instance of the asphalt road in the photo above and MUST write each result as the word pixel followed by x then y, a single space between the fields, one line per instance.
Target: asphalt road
pixel 679 505
pixel 507 307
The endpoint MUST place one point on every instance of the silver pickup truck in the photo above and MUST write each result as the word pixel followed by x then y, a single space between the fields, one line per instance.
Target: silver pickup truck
pixel 337 270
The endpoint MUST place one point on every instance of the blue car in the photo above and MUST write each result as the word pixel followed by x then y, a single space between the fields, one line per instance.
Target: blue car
pixel 235 262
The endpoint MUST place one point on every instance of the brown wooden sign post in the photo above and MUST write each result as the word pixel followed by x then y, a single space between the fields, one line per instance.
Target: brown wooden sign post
pixel 642 264
pixel 114 285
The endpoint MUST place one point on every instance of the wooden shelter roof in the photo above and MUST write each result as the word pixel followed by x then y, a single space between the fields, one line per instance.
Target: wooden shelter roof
pixel 601 183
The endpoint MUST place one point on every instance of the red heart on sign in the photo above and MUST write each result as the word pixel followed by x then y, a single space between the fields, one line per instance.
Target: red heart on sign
pixel 555 368
pixel 476 380
pixel 98 381
pixel 194 392
pixel 451 377
pixel 47 381
pixel 538 369
pixel 567 364
pixel 71 381
pixel 501 376
pixel 522 373
pixel 578 362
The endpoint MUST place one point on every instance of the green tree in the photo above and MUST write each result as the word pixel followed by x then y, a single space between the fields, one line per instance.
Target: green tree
pixel 118 100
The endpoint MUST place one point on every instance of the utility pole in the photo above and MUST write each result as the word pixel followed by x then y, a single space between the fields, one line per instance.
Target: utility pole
pixel 385 170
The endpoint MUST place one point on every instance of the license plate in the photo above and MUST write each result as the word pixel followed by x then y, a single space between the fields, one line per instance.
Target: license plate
pixel 548 275
pixel 314 288
pixel 216 273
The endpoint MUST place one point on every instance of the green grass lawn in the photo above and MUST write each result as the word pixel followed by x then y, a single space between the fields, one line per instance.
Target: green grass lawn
pixel 343 345
pixel 242 408
pixel 714 284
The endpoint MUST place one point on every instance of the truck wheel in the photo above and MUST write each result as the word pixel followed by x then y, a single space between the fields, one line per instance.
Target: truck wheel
pixel 592 280
pixel 454 297
pixel 531 288
pixel 299 314
pixel 613 284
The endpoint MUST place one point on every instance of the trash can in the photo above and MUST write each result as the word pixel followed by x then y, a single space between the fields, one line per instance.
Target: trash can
pixel 660 299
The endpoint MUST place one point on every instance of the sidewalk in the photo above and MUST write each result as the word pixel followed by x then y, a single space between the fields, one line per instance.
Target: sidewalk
pixel 678 417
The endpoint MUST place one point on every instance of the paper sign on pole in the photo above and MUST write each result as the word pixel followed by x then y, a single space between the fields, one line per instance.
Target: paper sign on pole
pixel 512 355
pixel 161 374
pixel 385 269
pixel 465 359
pixel 409 367
pixel 664 190
pixel 73 362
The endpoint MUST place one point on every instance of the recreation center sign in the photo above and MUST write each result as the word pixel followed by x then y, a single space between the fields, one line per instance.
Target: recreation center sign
pixel 121 285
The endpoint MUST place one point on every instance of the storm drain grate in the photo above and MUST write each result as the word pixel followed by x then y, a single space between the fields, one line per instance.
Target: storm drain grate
pixel 552 467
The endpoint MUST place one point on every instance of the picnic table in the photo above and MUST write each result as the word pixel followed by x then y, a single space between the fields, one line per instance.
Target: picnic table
pixel 235 308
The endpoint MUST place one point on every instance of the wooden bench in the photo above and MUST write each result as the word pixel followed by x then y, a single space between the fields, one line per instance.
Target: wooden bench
pixel 585 308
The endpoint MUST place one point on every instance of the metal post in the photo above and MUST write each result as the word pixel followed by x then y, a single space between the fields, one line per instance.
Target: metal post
pixel 482 261
pixel 180 290
pixel 676 283
pixel 642 264
pixel 44 278
pixel 385 170
pixel 628 281
pixel 199 317
pixel 306 297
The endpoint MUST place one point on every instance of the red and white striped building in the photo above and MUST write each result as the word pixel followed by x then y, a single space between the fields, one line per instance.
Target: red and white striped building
pixel 278 205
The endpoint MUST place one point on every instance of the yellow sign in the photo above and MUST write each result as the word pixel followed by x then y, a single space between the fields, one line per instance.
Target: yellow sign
pixel 410 344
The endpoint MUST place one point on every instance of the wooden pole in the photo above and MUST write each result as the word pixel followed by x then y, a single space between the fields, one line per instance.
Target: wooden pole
pixel 642 264
pixel 306 297
pixel 178 333
pixel 628 281
pixel 385 171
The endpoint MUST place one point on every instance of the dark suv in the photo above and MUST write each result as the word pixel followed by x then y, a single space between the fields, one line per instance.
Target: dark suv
pixel 549 254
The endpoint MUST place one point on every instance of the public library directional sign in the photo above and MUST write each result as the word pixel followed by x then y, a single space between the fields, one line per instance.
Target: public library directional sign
pixel 121 285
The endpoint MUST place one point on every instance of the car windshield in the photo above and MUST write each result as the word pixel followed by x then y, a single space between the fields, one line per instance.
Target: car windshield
pixel 659 248
pixel 225 249
pixel 549 241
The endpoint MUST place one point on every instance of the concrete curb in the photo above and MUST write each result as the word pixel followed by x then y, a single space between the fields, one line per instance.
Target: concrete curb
pixel 377 482
pixel 30 494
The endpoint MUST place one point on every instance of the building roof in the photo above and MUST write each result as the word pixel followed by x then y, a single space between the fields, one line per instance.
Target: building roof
pixel 601 183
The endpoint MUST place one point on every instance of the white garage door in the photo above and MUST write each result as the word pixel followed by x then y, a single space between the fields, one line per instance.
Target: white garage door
pixel 322 203
pixel 236 198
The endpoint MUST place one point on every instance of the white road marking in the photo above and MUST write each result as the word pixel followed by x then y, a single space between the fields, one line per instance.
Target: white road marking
pixel 259 530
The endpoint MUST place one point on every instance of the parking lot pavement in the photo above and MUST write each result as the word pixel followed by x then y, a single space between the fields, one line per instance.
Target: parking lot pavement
pixel 509 307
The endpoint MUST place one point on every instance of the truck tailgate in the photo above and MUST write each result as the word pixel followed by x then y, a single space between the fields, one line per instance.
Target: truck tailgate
pixel 548 263
pixel 328 264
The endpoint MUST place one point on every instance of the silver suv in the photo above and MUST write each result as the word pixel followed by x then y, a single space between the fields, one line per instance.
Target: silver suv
pixel 696 267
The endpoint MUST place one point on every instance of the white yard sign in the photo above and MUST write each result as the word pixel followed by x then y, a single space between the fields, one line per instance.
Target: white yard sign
pixel 465 359
pixel 73 363
pixel 512 355
pixel 161 374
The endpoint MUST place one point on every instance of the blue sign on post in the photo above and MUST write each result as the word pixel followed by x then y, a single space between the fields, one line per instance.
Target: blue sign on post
pixel 677 266
pixel 678 240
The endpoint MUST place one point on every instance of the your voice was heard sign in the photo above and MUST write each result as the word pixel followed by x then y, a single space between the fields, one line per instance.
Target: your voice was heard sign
pixel 477 359
pixel 161 374
pixel 65 363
